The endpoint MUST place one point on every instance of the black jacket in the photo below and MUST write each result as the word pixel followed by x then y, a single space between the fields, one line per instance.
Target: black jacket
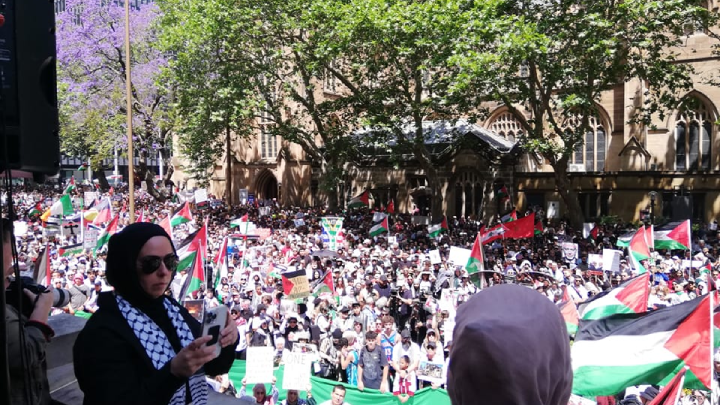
pixel 112 367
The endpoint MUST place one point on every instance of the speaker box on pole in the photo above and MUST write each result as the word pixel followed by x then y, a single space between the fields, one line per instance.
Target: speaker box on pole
pixel 682 207
pixel 29 87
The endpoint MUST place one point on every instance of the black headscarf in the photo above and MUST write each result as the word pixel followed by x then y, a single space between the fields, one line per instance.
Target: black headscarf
pixel 123 250
pixel 510 347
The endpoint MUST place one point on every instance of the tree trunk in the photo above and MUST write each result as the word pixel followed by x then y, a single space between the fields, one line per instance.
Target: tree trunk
pixel 102 180
pixel 328 185
pixel 569 196
pixel 436 197
pixel 228 167
pixel 144 174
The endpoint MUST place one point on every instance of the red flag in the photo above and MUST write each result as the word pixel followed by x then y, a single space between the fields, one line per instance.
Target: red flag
pixel 522 228
pixel 391 207
pixel 244 218
pixel 594 232
pixel 670 394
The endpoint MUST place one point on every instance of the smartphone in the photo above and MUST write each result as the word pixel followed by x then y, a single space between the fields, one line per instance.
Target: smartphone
pixel 213 323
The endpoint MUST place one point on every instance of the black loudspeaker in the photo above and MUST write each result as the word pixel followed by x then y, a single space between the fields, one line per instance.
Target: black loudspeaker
pixel 29 87
pixel 682 208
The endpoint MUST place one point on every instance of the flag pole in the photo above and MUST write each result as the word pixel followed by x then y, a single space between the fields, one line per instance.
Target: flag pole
pixel 711 341
pixel 128 114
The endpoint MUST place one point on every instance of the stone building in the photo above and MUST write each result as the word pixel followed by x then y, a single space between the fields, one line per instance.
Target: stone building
pixel 616 170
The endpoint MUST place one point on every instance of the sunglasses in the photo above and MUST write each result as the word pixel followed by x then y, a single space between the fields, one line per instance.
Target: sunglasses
pixel 150 264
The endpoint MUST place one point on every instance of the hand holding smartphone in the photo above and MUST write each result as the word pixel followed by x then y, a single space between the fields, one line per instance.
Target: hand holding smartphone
pixel 213 323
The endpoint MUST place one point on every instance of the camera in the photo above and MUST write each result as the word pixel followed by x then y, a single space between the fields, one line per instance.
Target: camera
pixel 61 297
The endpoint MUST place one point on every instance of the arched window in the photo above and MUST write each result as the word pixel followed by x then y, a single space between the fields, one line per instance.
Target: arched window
pixel 468 194
pixel 591 151
pixel 693 132
pixel 506 126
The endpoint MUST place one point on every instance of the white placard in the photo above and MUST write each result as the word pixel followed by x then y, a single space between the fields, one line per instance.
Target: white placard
pixel 459 256
pixel 90 238
pixel 686 264
pixel 243 196
pixel 392 239
pixel 611 260
pixel 432 372
pixel 553 209
pixel 89 197
pixel 297 371
pixel 435 257
pixel 20 228
pixel 448 329
pixel 577 400
pixel 595 262
pixel 570 251
pixel 259 365
pixel 200 196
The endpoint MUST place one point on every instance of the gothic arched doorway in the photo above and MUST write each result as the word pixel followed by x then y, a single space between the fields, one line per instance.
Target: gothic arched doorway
pixel 266 185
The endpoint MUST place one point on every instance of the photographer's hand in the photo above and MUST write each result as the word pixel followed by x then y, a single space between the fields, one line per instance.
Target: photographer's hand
pixel 43 303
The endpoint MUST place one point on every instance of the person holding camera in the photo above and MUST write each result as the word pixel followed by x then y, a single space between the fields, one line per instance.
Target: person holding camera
pixel 28 380
pixel 142 346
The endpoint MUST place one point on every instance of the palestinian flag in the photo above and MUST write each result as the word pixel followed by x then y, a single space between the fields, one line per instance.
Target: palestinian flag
pixel 70 186
pixel 327 285
pixel 613 353
pixel 189 248
pixel 141 217
pixel 639 250
pixel 71 250
pixel 674 235
pixel 509 217
pixel 36 210
pixel 434 231
pixel 82 167
pixel 649 238
pixel 539 227
pixel 503 194
pixel 42 270
pixel 363 200
pixel 624 239
pixel 391 207
pixel 181 216
pixel 378 229
pixel 220 262
pixel 196 277
pixel 165 224
pixel 476 261
pixel 670 394
pixel 63 206
pixel 590 229
pixel 630 297
pixel 107 233
pixel 569 311
pixel 239 221
pixel 295 284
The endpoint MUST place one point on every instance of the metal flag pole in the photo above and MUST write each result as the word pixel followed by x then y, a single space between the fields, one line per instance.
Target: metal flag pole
pixel 128 107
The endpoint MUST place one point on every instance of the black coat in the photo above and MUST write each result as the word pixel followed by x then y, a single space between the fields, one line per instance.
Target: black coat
pixel 112 367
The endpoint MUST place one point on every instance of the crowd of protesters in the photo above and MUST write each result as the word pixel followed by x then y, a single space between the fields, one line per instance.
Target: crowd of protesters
pixel 393 306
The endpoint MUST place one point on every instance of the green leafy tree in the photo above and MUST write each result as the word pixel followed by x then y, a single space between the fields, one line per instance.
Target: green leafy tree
pixel 549 61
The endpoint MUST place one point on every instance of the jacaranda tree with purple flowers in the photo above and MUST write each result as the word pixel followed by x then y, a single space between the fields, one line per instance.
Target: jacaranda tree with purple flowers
pixel 91 84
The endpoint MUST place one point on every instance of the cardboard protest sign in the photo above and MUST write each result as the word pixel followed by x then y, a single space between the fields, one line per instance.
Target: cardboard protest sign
pixel 297 371
pixel 611 260
pixel 569 250
pixel 295 284
pixel 432 372
pixel 458 256
pixel 259 365
pixel 201 196
pixel 435 256
pixel 595 264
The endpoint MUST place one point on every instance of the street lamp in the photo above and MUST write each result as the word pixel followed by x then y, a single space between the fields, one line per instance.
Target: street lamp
pixel 653 196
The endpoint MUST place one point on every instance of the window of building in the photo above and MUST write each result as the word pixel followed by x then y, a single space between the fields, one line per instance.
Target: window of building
pixel 268 140
pixel 329 79
pixel 506 126
pixel 591 151
pixel 468 194
pixel 594 205
pixel 693 132
pixel 535 201
pixel 698 210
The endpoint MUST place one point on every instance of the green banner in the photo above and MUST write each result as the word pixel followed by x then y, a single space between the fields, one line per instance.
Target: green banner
pixel 321 389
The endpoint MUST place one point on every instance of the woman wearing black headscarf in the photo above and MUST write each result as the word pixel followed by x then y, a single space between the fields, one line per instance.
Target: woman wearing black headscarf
pixel 141 346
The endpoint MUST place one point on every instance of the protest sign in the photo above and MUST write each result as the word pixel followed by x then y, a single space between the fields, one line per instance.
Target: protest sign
pixel 200 196
pixel 259 365
pixel 435 256
pixel 431 372
pixel 595 264
pixel 611 260
pixel 420 220
pixel 569 250
pixel 577 400
pixel 332 232
pixel 264 211
pixel 299 222
pixel 20 228
pixel 687 264
pixel 243 194
pixel 297 371
pixel 459 256
pixel 90 238
pixel 89 197
pixel 295 284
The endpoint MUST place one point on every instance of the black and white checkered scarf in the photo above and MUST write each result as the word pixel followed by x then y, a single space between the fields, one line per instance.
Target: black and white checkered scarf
pixel 158 348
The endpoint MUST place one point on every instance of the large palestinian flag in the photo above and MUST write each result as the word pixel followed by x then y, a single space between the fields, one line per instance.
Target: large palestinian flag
pixel 476 261
pixel 630 297
pixel 624 239
pixel 435 230
pixel 639 250
pixel 674 235
pixel 181 216
pixel 191 246
pixel 569 312
pixel 363 200
pixel 378 229
pixel 613 353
